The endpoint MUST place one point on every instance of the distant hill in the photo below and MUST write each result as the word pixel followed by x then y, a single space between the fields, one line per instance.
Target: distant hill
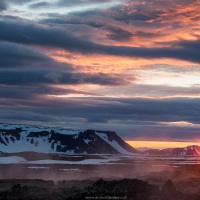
pixel 193 150
pixel 143 149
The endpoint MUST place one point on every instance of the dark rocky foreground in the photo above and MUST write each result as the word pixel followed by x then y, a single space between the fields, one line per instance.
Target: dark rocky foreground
pixel 101 189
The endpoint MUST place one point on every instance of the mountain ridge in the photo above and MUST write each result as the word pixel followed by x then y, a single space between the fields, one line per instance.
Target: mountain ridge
pixel 20 137
pixel 192 150
pixel 17 138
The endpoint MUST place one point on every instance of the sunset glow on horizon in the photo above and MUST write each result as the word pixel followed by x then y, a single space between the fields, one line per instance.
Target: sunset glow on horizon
pixel 160 144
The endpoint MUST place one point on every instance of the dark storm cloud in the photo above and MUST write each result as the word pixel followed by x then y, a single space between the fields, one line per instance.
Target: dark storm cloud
pixel 139 15
pixel 31 34
pixel 139 117
pixel 19 1
pixel 14 55
pixel 115 33
pixel 9 17
pixel 64 3
pixel 35 91
pixel 145 110
pixel 143 34
pixel 165 110
pixel 24 93
pixel 79 2
pixel 195 44
pixel 45 76
pixel 52 90
pixel 63 19
pixel 30 116
pixel 3 5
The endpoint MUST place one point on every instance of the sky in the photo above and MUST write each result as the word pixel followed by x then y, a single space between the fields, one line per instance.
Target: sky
pixel 130 66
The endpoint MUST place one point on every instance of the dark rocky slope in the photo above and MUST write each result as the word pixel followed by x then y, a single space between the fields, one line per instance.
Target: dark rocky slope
pixel 131 189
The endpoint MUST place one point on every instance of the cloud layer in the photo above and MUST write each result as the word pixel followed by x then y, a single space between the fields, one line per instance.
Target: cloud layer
pixel 31 34
pixel 129 66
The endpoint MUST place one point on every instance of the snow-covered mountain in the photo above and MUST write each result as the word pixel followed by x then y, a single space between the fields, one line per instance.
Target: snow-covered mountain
pixel 19 138
pixel 193 150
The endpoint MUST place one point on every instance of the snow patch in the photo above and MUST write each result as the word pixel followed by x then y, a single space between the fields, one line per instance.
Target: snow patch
pixel 27 129
pixel 36 167
pixel 11 160
pixel 113 143
pixel 87 141
pixel 70 170
pixel 187 163
pixel 82 162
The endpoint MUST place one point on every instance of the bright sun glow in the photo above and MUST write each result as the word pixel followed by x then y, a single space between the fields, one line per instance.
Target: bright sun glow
pixel 160 144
